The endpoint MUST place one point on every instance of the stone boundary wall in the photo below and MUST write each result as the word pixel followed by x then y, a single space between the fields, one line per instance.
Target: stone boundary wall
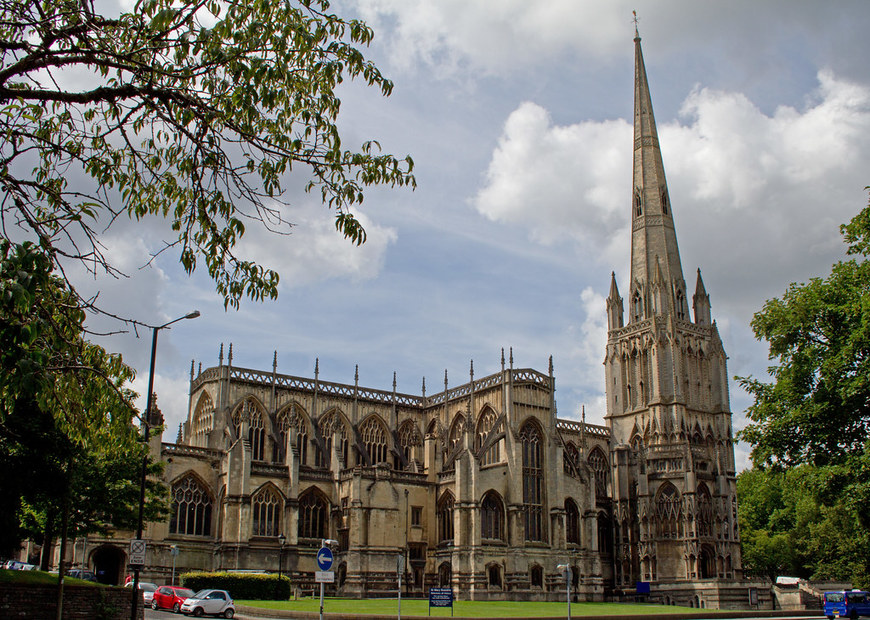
pixel 39 602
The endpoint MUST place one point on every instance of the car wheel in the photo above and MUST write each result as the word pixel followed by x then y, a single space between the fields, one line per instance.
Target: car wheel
pixel 197 612
pixel 177 608
pixel 154 605
pixel 229 613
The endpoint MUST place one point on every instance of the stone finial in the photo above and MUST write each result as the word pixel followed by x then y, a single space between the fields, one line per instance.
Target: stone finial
pixel 424 387
pixel 502 359
pixel 512 357
pixel 275 361
pixel 221 355
pixel 192 366
pixel 180 437
pixel 356 375
pixel 445 379
pixel 394 381
pixel 471 370
pixel 230 355
pixel 316 368
pixel 551 365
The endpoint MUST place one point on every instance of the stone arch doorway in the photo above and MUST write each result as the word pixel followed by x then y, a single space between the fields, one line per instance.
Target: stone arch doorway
pixel 108 563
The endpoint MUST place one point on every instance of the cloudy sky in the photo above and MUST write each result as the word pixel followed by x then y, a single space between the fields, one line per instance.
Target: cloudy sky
pixel 518 116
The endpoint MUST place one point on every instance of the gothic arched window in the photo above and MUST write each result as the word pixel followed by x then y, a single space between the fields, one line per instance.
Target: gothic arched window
pixel 292 417
pixel 203 420
pixel 257 435
pixel 410 442
pixel 572 522
pixel 374 438
pixel 332 424
pixel 668 511
pixel 598 464
pixel 266 505
pixel 485 425
pixel 492 517
pixel 571 459
pixel 533 482
pixel 313 514
pixel 638 203
pixel 637 307
pixel 444 516
pixel 191 508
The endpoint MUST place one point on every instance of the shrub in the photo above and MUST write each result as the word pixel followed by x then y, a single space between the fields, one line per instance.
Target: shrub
pixel 245 586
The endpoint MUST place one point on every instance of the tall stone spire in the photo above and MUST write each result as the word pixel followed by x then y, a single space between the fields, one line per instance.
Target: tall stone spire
pixel 653 238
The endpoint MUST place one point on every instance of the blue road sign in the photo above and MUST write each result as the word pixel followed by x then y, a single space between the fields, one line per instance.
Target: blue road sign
pixel 324 558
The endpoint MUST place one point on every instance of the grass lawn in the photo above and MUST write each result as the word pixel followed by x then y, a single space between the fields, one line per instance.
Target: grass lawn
pixel 38 576
pixel 484 609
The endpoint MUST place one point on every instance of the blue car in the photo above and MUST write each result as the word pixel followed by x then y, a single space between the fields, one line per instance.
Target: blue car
pixel 847 604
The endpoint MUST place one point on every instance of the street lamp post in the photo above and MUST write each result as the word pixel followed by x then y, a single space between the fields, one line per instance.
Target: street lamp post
pixel 145 431
pixel 281 539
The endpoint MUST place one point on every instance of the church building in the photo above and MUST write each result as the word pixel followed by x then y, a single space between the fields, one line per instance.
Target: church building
pixel 479 486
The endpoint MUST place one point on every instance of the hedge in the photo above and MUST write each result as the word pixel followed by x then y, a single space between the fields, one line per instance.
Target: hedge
pixel 245 586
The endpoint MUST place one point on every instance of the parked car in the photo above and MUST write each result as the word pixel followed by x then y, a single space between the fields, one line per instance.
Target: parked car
pixel 16 565
pixel 81 573
pixel 147 589
pixel 211 602
pixel 170 597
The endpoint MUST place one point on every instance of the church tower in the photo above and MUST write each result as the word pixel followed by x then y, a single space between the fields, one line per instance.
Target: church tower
pixel 674 491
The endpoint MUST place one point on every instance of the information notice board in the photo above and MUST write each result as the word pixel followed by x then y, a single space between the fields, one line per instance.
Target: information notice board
pixel 441 597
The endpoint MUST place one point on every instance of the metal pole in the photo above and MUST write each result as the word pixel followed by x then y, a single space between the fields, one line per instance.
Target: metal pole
pixel 321 600
pixel 568 581
pixel 144 476
pixel 400 585
pixel 145 430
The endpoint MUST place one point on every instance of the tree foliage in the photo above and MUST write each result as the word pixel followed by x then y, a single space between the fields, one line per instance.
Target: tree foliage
pixel 192 110
pixel 66 419
pixel 817 409
pixel 804 506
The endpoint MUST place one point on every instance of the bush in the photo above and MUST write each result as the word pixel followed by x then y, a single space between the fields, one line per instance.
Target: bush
pixel 245 586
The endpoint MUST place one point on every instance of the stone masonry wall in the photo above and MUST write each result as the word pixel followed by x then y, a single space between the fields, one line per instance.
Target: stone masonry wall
pixel 39 602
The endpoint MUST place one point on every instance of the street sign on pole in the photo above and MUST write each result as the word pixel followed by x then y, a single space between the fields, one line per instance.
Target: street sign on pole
pixel 137 552
pixel 324 576
pixel 325 558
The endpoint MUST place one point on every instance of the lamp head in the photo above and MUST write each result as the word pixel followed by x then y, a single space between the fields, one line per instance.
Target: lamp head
pixel 192 315
pixel 326 542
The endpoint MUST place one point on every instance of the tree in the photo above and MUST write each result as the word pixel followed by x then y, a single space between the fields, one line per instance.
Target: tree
pixel 66 419
pixel 809 427
pixel 192 110
pixel 817 409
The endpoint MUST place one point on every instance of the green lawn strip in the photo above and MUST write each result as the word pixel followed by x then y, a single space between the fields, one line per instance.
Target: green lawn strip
pixel 482 609
pixel 37 576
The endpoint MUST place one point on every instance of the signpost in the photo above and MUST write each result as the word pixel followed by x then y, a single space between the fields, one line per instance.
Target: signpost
pixel 400 568
pixel 137 552
pixel 324 563
pixel 441 597
pixel 566 570
pixel 174 551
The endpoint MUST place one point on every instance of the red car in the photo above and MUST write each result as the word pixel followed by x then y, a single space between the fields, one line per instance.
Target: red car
pixel 170 597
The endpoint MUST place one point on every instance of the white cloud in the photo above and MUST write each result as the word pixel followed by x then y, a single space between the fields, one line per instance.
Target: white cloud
pixel 315 251
pixel 799 173
pixel 560 182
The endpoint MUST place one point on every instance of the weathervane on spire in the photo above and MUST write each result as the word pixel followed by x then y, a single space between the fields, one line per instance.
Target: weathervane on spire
pixel 634 19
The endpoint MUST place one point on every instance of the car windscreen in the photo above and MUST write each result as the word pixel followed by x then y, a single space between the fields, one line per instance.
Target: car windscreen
pixel 184 592
pixel 834 597
pixel 201 594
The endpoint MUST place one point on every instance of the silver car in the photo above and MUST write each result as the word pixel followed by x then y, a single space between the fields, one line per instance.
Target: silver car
pixel 211 602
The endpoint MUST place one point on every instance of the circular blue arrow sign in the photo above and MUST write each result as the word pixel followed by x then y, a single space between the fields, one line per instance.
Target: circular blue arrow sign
pixel 324 558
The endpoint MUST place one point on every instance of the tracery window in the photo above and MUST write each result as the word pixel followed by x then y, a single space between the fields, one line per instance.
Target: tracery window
pixel 492 517
pixel 533 482
pixel 668 511
pixel 203 419
pixel 313 515
pixel 374 438
pixel 637 307
pixel 257 435
pixel 681 306
pixel 571 459
pixel 291 417
pixel 638 203
pixel 330 425
pixel 191 508
pixel 704 517
pixel 410 442
pixel 664 201
pixel 572 522
pixel 485 425
pixel 454 441
pixel 598 464
pixel 445 518
pixel 267 507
